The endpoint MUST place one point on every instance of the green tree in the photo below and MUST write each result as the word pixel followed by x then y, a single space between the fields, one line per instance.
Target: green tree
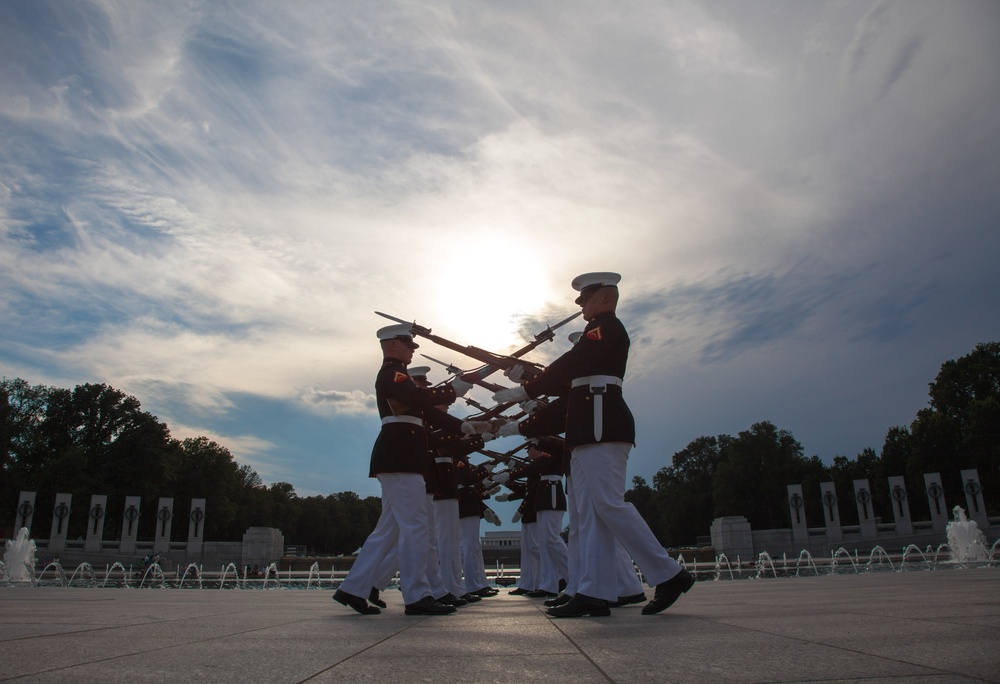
pixel 754 473
pixel 960 429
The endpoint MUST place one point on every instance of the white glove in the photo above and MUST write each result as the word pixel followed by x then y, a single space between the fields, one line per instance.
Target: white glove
pixel 476 427
pixel 510 395
pixel 460 386
pixel 529 406
pixel 488 436
pixel 491 517
pixel 502 497
pixel 515 373
pixel 516 518
pixel 489 467
pixel 508 429
pixel 500 478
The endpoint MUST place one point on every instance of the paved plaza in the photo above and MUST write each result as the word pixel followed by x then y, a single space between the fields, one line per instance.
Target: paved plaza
pixel 919 626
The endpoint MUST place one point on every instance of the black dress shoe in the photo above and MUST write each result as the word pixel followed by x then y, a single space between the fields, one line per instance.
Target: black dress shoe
pixel 560 600
pixel 517 592
pixel 627 600
pixel 485 592
pixel 470 598
pixel 581 606
pixel 668 592
pixel 541 593
pixel 374 599
pixel 450 599
pixel 355 602
pixel 428 606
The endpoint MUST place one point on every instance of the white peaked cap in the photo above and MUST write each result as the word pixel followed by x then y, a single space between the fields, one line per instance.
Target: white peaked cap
pixel 400 331
pixel 418 371
pixel 591 280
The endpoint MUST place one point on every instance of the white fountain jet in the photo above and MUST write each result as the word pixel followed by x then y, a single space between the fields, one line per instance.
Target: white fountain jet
pixel 19 557
pixel 966 540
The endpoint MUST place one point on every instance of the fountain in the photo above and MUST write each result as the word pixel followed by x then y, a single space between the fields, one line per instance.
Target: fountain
pixel 19 557
pixel 194 571
pixel 763 560
pixel 121 568
pixel 87 575
pixel 967 541
pixel 842 552
pixel 804 555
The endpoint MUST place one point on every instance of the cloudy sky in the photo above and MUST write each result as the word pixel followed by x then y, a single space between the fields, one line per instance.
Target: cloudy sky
pixel 203 203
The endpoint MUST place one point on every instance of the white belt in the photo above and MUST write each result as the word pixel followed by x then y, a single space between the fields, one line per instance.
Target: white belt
pixel 443 459
pixel 596 381
pixel 412 420
pixel 553 491
pixel 598 384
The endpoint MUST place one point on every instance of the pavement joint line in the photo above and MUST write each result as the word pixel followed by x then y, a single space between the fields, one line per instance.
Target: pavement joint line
pixel 366 648
pixel 157 649
pixel 555 623
pixel 933 670
pixel 160 621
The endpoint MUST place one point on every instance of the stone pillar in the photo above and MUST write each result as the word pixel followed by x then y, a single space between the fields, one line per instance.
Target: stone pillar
pixel 831 512
pixel 60 523
pixel 935 499
pixel 263 546
pixel 732 536
pixel 900 506
pixel 164 519
pixel 95 523
pixel 130 525
pixel 196 530
pixel 974 498
pixel 866 513
pixel 25 512
pixel 797 513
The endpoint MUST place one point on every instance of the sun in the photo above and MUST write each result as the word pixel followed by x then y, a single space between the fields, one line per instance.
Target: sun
pixel 483 307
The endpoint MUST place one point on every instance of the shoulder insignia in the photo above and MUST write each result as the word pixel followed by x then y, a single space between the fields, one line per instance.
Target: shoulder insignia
pixel 400 377
pixel 595 334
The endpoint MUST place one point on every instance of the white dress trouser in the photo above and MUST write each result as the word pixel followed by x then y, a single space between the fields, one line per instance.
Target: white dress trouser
pixel 403 525
pixel 552 552
pixel 438 588
pixel 628 580
pixel 605 516
pixel 448 537
pixel 472 554
pixel 574 537
pixel 529 558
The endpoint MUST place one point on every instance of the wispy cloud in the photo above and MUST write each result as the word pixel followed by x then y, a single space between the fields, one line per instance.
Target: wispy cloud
pixel 205 205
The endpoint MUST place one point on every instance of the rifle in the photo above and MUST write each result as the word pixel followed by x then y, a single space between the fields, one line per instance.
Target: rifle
pixel 506 457
pixel 493 362
pixel 468 376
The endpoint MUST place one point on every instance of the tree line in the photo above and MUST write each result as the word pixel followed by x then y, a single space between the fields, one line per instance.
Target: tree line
pixel 95 439
pixel 748 474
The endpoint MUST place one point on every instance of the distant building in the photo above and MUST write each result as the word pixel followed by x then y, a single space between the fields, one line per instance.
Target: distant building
pixel 503 548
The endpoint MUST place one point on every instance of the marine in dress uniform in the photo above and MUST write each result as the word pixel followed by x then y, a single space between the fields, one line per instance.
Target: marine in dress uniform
pixel 544 556
pixel 444 444
pixel 600 432
pixel 399 461
pixel 471 510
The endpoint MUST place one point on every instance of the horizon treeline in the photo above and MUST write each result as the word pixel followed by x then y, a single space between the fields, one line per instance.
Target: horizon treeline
pixel 95 439
pixel 748 474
